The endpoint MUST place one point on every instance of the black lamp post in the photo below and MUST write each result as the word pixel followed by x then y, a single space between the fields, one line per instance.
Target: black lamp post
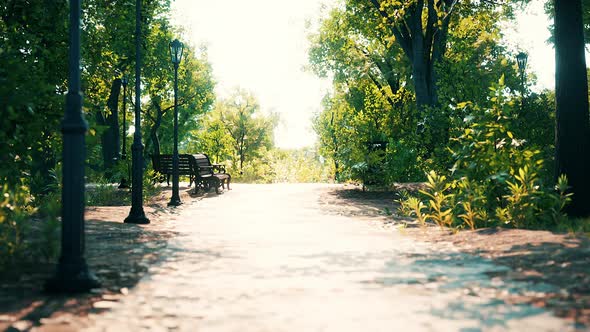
pixel 521 60
pixel 72 273
pixel 176 48
pixel 124 81
pixel 136 215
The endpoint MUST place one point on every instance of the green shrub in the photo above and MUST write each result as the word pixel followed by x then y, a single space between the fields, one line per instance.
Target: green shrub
pixel 413 207
pixel 104 193
pixel 15 210
pixel 45 243
pixel 495 177
pixel 151 186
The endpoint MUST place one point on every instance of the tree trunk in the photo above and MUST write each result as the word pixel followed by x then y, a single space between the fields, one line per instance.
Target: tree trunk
pixel 242 157
pixel 572 137
pixel 110 137
pixel 154 138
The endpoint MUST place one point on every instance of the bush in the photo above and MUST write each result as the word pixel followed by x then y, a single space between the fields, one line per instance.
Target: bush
pixel 15 210
pixel 495 177
pixel 28 232
pixel 104 193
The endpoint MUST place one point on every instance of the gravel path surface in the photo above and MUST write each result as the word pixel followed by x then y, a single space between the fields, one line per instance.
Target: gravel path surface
pixel 269 258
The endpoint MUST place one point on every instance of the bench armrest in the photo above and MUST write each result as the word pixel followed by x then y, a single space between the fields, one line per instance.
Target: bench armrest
pixel 213 167
pixel 220 167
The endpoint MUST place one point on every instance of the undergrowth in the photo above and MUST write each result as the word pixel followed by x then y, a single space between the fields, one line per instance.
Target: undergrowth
pixel 494 180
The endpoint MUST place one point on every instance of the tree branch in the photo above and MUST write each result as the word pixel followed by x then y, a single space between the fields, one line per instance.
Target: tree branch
pixel 403 36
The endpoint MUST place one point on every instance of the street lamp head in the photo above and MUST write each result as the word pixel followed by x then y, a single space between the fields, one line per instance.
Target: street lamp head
pixel 521 60
pixel 176 48
pixel 124 80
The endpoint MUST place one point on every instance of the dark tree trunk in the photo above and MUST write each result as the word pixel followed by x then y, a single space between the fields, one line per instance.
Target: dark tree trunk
pixel 242 157
pixel 154 138
pixel 420 58
pixel 572 139
pixel 110 137
pixel 423 42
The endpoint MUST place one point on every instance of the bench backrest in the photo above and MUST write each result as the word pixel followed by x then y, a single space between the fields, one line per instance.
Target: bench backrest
pixel 202 164
pixel 163 164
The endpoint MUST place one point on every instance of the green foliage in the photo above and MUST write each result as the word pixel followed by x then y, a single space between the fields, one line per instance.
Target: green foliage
pixel 195 96
pixel 440 201
pixel 298 166
pixel 413 207
pixel 285 166
pixel 15 210
pixel 29 230
pixel 33 60
pixel 238 134
pixel 495 177
pixel 212 138
pixel 256 170
pixel 364 48
pixel 44 241
pixel 106 193
pixel 365 139
pixel 151 187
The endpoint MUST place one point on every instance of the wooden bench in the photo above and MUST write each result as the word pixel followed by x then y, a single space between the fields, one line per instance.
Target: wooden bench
pixel 209 175
pixel 163 164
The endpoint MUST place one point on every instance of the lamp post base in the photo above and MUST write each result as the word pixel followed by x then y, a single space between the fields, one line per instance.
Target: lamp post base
pixel 136 216
pixel 72 279
pixel 175 201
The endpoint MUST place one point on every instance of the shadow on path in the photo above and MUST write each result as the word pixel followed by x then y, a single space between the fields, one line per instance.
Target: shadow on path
pixel 119 254
pixel 559 263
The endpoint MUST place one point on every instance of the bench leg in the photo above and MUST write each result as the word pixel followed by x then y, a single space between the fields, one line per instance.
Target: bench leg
pixel 217 183
pixel 203 185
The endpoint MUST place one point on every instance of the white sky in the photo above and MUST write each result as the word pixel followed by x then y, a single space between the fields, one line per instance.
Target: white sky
pixel 261 46
pixel 530 35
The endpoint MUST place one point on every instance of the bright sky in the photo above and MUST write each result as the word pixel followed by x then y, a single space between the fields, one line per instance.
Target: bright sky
pixel 261 46
pixel 530 35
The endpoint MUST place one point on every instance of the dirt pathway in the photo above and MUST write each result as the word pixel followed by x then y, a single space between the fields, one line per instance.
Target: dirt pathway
pixel 271 258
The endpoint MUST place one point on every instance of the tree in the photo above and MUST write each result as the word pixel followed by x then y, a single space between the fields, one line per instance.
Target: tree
pixel 212 138
pixel 374 75
pixel 550 10
pixel 441 63
pixel 250 130
pixel 107 56
pixel 195 97
pixel 572 139
pixel 33 69
pixel 421 29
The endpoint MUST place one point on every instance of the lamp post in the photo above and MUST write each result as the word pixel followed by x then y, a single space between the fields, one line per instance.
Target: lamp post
pixel 521 60
pixel 136 215
pixel 176 48
pixel 124 81
pixel 72 273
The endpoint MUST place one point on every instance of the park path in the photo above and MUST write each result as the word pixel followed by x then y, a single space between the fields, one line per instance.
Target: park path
pixel 269 258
